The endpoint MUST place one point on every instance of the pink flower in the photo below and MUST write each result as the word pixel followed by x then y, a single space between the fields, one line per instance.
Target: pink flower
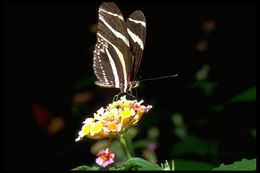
pixel 141 108
pixel 105 158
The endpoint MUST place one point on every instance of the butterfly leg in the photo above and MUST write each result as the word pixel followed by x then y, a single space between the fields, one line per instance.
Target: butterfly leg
pixel 116 97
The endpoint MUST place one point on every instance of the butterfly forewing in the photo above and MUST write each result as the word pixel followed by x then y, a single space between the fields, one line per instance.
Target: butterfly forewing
pixel 112 63
pixel 136 29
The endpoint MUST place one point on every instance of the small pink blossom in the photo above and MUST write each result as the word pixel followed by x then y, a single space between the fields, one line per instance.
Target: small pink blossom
pixel 105 158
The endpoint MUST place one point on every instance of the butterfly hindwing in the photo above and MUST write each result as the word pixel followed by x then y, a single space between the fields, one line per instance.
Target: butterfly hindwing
pixel 136 29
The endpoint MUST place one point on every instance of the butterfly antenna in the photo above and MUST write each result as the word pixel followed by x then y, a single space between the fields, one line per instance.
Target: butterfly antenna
pixel 157 78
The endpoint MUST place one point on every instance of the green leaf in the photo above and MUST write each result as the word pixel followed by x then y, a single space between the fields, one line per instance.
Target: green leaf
pixel 85 168
pixel 253 132
pixel 180 129
pixel 244 165
pixel 141 143
pixel 218 108
pixel 190 145
pixel 203 73
pixel 120 168
pixel 192 165
pixel 247 95
pixel 153 133
pixel 206 86
pixel 140 164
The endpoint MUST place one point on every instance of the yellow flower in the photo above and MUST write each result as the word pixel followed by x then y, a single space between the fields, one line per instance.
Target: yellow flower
pixel 96 128
pixel 112 127
pixel 127 113
pixel 114 119
pixel 86 128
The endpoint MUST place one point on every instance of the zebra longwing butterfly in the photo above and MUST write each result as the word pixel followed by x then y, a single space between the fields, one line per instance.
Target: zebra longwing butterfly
pixel 119 48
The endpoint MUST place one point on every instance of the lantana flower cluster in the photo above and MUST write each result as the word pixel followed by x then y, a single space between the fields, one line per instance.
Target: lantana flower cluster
pixel 113 119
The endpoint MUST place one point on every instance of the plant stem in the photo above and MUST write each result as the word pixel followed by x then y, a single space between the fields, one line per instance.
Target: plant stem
pixel 124 145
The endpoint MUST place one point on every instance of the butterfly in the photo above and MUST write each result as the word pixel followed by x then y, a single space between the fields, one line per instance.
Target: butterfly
pixel 119 48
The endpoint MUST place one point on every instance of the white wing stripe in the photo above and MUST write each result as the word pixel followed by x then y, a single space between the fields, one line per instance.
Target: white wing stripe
pixel 137 21
pixel 113 66
pixel 117 34
pixel 135 38
pixel 110 13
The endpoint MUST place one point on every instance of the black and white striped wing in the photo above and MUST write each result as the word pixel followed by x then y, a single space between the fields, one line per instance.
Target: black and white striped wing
pixel 112 62
pixel 136 29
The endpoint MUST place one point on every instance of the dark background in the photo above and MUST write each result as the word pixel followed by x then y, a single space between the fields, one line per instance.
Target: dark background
pixel 48 49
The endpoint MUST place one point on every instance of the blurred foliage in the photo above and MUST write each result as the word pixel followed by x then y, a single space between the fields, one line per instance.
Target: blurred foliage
pixel 189 143
pixel 194 145
pixel 203 73
pixel 180 129
pixel 206 86
pixel 253 132
pixel 245 96
pixel 202 83
pixel 192 165
pixel 243 165
pixel 140 164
